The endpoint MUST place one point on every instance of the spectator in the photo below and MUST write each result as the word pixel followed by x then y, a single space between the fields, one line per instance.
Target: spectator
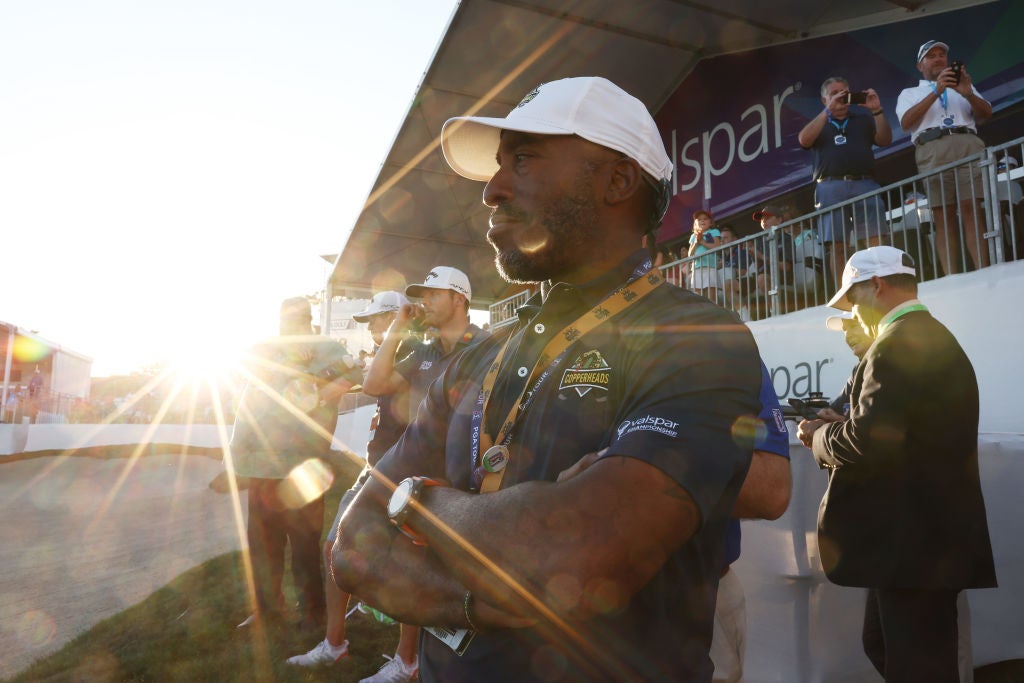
pixel 386 426
pixel 903 514
pixel 942 114
pixel 765 495
pixel 446 293
pixel 841 137
pixel 703 277
pixel 285 424
pixel 735 263
pixel 798 257
pixel 35 385
pixel 859 342
pixel 614 375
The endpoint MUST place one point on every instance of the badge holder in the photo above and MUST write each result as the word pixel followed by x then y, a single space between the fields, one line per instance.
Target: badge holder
pixel 458 640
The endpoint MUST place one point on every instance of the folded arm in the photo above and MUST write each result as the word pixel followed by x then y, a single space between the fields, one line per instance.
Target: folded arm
pixel 568 547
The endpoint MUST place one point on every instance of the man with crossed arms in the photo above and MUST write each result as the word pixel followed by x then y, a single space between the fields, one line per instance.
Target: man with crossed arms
pixel 610 574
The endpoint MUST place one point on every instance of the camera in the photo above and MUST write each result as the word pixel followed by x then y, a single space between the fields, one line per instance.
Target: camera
pixel 856 98
pixel 807 409
pixel 958 68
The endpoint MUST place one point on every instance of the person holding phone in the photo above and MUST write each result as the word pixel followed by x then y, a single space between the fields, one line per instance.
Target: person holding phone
pixel 942 113
pixel 842 138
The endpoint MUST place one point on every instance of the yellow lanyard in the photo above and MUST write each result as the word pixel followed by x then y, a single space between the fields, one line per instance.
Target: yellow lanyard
pixel 494 459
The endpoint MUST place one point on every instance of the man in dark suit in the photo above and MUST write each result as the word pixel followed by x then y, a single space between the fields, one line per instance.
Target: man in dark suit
pixel 903 514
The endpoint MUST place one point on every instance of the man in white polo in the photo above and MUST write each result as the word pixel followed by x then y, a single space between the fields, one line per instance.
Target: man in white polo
pixel 942 114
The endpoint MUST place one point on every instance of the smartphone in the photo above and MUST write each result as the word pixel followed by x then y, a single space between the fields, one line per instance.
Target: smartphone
pixel 958 68
pixel 803 409
pixel 857 98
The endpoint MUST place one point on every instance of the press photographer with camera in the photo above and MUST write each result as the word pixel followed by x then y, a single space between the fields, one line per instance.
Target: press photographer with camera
pixel 942 113
pixel 842 137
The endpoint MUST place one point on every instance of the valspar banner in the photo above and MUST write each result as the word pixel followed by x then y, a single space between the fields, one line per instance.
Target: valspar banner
pixel 731 127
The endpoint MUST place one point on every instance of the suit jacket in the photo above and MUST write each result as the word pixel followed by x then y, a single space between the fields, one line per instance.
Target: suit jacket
pixel 904 507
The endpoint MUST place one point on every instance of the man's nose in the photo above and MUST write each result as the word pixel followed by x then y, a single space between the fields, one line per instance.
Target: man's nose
pixel 497 189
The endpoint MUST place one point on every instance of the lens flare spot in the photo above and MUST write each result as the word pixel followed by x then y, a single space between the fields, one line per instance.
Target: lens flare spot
pixel 35 629
pixel 747 431
pixel 530 246
pixel 29 350
pixel 605 596
pixel 305 483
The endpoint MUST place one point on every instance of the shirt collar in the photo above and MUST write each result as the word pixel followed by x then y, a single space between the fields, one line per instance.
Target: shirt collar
pixel 589 293
pixel 897 311
pixel 595 290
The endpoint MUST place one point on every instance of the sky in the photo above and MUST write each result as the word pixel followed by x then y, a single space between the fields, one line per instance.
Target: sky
pixel 171 170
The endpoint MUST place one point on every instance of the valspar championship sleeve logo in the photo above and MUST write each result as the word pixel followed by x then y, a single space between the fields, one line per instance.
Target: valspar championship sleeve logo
pixel 649 423
pixel 589 371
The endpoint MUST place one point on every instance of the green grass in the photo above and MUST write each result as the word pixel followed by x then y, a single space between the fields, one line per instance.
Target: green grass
pixel 186 632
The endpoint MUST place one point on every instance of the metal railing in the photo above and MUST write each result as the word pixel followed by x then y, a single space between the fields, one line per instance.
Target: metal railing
pixel 504 312
pixel 960 217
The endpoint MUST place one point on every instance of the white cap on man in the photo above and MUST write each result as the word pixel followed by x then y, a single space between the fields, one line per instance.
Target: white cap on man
pixel 591 107
pixel 923 50
pixel 869 263
pixel 382 302
pixel 443 277
pixel 837 323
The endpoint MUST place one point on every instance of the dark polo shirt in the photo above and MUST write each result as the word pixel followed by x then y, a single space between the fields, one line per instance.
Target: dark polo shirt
pixel 855 157
pixel 428 361
pixel 663 382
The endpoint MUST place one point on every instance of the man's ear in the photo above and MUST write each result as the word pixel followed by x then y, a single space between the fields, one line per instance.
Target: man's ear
pixel 624 182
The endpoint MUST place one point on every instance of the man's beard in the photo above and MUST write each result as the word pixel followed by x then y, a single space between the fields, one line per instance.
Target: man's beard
pixel 571 226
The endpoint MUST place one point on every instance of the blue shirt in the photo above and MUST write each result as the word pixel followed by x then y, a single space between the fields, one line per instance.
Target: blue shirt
pixel 774 438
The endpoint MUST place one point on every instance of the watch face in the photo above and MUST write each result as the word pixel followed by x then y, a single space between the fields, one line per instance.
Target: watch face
pixel 400 497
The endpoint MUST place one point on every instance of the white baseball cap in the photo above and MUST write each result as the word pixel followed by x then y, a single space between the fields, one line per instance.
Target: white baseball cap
pixel 591 107
pixel 923 50
pixel 869 263
pixel 837 323
pixel 443 277
pixel 382 302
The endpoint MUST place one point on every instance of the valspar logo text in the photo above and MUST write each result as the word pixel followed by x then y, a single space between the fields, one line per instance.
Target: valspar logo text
pixel 714 151
pixel 649 423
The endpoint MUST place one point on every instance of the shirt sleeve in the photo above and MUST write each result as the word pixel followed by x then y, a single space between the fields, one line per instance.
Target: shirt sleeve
pixel 421 448
pixel 905 101
pixel 772 434
pixel 407 366
pixel 686 396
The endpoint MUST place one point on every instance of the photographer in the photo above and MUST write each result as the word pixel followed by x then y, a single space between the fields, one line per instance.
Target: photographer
pixel 703 278
pixel 841 137
pixel 942 113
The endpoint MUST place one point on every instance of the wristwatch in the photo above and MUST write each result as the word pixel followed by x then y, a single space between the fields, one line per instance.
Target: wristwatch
pixel 407 491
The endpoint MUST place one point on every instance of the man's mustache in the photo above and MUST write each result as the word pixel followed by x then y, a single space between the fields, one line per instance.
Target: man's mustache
pixel 509 212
